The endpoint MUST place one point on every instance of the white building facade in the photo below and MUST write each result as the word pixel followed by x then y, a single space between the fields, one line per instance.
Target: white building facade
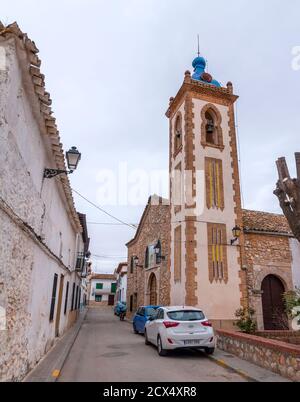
pixel 121 275
pixel 40 231
pixel 103 288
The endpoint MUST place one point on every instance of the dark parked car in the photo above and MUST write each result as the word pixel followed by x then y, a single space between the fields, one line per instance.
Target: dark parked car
pixel 141 317
pixel 120 307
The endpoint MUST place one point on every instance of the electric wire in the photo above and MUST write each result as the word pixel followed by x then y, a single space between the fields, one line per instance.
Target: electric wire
pixel 104 211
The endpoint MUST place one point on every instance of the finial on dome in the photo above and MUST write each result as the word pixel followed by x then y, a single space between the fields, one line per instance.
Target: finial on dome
pixel 199 65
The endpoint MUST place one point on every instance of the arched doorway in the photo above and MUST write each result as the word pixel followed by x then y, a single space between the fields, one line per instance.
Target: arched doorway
pixel 153 290
pixel 274 314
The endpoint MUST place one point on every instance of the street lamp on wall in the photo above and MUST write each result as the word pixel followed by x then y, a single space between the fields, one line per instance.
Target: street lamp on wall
pixel 136 262
pixel 73 157
pixel 157 250
pixel 236 231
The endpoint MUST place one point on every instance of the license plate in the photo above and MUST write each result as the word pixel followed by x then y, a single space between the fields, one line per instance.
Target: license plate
pixel 192 342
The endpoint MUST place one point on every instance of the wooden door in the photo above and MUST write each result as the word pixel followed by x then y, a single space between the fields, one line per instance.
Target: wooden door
pixel 274 314
pixel 111 300
pixel 60 295
pixel 153 290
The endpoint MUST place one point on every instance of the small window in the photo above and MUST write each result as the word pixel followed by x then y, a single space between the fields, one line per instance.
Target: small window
pixel 99 286
pixel 131 264
pixel 135 301
pixel 214 183
pixel 113 288
pixel 73 297
pixel 53 298
pixel 178 133
pixel 177 254
pixel 76 299
pixel 217 252
pixel 150 257
pixel 98 298
pixel 131 303
pixel 66 299
pixel 158 254
pixel 79 299
pixel 147 258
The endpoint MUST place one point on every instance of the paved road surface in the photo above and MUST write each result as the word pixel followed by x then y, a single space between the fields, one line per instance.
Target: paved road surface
pixel 107 350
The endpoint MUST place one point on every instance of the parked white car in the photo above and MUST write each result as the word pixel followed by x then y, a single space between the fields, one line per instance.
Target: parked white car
pixel 178 328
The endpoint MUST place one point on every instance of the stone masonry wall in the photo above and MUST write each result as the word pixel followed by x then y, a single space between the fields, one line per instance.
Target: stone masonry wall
pixel 155 225
pixel 279 357
pixel 266 255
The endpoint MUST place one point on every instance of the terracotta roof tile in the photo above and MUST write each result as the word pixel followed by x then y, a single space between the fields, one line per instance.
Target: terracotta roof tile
pixel 103 276
pixel 265 222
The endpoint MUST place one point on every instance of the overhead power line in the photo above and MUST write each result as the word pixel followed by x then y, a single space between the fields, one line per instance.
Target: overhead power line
pixel 105 212
pixel 105 223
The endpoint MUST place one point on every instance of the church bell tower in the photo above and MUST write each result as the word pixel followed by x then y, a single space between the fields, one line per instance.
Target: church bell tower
pixel 205 197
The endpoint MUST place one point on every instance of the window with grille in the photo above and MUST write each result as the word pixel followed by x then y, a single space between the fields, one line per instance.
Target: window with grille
pixel 214 183
pixel 178 134
pixel 53 298
pixel 76 299
pixel 177 254
pixel 217 252
pixel 66 299
pixel 73 297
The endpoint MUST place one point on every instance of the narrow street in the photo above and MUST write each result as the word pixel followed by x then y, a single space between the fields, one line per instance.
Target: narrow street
pixel 108 350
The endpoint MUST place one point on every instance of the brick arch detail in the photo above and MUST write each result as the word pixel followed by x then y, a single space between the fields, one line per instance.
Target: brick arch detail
pixel 215 111
pixel 176 150
pixel 256 299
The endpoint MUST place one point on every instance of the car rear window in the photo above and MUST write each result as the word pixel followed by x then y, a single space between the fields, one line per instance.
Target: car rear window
pixel 186 315
pixel 150 311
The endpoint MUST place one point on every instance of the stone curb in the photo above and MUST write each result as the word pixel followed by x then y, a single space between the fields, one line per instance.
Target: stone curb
pixel 53 370
pixel 241 373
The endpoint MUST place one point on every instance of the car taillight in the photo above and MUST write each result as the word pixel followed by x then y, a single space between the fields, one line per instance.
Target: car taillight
pixel 206 324
pixel 169 324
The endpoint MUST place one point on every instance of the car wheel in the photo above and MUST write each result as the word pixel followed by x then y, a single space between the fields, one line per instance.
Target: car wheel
pixel 160 349
pixel 209 351
pixel 146 339
pixel 135 330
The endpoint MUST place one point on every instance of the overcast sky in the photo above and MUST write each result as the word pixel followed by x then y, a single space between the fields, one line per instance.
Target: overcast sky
pixel 111 67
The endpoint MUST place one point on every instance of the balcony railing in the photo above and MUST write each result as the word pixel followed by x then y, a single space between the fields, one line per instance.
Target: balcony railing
pixel 80 262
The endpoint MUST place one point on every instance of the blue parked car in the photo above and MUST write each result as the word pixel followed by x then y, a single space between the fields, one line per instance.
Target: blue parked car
pixel 141 317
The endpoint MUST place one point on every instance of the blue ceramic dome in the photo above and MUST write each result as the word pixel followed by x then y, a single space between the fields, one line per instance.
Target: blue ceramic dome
pixel 199 62
pixel 199 65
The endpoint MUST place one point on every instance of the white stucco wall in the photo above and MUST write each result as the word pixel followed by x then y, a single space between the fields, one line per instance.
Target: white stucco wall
pixel 27 270
pixel 219 300
pixel 123 287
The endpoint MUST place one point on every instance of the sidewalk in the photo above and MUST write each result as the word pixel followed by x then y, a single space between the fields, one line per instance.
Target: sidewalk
pixel 49 368
pixel 251 372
